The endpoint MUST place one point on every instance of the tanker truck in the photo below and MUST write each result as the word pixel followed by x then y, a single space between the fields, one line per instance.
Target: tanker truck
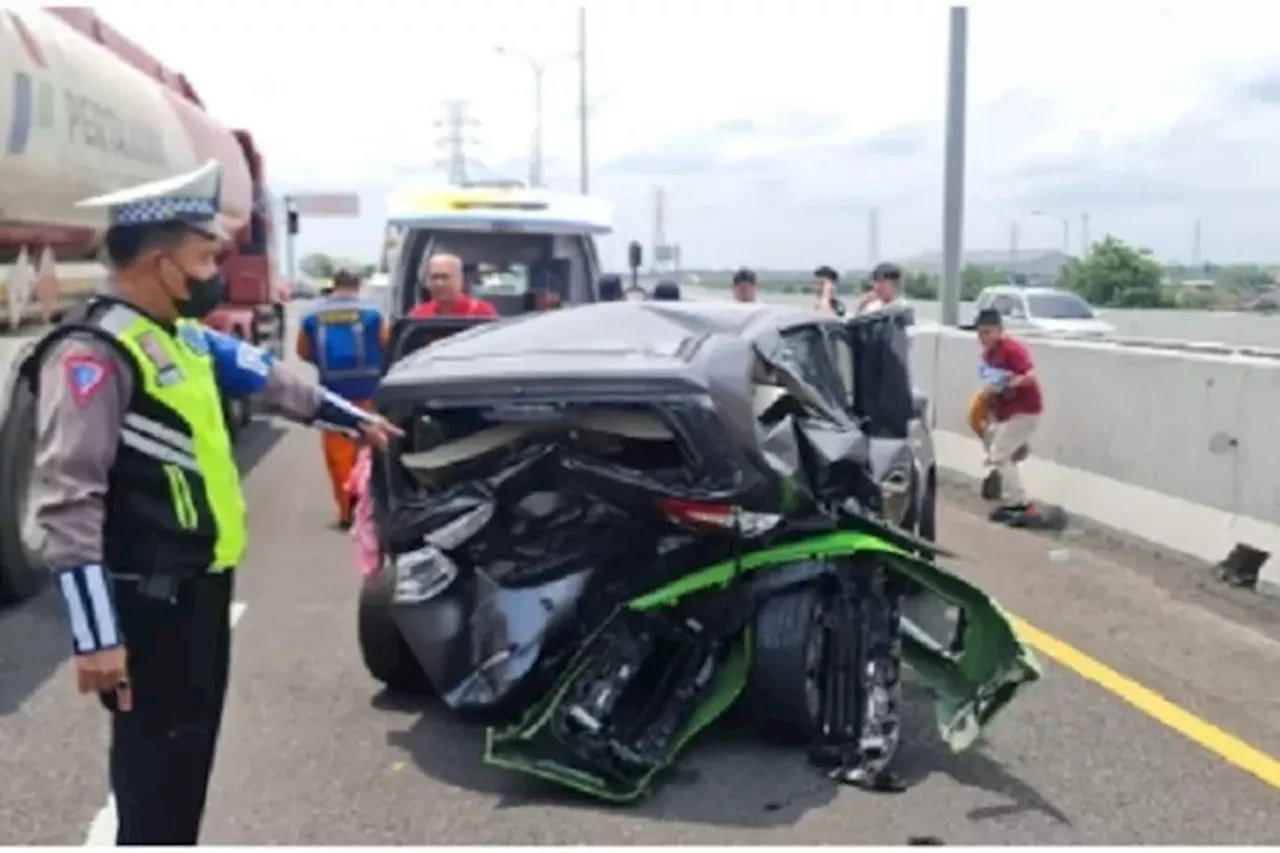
pixel 83 111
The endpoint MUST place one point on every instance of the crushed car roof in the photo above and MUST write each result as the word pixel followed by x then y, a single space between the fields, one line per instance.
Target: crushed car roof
pixel 657 340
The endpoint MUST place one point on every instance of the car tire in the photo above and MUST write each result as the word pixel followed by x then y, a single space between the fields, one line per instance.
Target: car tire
pixel 781 696
pixel 22 575
pixel 386 655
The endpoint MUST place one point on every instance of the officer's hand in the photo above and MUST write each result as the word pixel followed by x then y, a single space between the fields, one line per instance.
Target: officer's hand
pixel 106 672
pixel 378 431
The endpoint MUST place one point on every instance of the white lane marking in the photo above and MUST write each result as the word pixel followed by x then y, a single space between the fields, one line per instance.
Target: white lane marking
pixel 102 830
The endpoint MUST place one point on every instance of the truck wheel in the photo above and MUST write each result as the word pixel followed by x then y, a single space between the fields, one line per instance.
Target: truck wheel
pixel 21 573
pixel 783 695
pixel 386 655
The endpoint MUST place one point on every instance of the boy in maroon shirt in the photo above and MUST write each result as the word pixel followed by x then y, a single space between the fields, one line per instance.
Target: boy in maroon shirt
pixel 1015 404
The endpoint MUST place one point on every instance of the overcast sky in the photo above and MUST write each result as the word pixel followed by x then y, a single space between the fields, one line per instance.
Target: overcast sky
pixel 774 127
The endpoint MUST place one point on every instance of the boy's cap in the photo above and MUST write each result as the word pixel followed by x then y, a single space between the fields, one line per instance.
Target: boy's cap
pixel 886 272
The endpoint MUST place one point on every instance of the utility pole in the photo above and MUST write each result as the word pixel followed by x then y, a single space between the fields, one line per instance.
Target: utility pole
pixel 584 160
pixel 873 237
pixel 455 139
pixel 1195 245
pixel 1085 242
pixel 1013 243
pixel 953 180
pixel 535 156
pixel 538 68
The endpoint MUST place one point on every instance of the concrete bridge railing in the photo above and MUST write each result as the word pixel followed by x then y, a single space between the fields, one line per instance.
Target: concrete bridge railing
pixel 1176 442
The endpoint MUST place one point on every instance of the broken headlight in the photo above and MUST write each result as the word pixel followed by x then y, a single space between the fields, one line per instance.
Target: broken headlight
pixel 422 575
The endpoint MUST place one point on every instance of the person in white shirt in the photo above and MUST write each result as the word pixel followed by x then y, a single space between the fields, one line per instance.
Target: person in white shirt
pixel 885 279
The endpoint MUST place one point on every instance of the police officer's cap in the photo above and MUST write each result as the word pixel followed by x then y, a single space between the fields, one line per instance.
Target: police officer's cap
pixel 193 199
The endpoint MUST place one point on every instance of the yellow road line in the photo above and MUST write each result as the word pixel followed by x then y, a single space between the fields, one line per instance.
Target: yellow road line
pixel 1223 744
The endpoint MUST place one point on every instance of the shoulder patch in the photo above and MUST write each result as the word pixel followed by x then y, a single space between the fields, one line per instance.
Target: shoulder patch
pixel 252 359
pixel 86 375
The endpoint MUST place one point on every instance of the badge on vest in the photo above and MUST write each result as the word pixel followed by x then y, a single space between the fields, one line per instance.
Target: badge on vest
pixel 193 336
pixel 339 317
pixel 167 373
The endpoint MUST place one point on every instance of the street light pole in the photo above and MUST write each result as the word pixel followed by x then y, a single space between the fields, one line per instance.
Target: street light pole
pixel 1066 228
pixel 953 180
pixel 539 67
pixel 584 160
pixel 535 158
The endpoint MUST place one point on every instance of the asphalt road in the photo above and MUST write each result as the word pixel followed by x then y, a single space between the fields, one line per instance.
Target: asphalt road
pixel 313 752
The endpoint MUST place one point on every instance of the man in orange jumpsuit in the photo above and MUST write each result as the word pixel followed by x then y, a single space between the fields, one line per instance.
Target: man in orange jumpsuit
pixel 347 340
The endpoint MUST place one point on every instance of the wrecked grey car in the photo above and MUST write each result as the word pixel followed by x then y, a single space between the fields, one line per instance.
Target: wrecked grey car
pixel 611 523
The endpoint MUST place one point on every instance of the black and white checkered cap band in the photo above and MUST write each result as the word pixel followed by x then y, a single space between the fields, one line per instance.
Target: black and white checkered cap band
pixel 156 210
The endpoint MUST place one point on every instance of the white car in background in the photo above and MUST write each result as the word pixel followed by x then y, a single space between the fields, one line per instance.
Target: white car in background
pixel 1044 309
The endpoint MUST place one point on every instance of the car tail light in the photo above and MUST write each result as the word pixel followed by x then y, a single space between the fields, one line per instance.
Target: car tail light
pixel 722 517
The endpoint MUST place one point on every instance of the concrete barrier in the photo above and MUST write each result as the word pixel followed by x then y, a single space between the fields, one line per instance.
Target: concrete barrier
pixel 1178 445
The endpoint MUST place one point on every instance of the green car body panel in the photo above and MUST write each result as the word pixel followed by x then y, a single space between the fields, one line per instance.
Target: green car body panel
pixel 970 687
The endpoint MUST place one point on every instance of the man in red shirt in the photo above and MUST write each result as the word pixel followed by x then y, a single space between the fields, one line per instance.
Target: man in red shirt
pixel 1015 403
pixel 448 298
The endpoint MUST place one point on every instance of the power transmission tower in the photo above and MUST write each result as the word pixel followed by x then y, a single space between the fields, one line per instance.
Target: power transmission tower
pixel 456 139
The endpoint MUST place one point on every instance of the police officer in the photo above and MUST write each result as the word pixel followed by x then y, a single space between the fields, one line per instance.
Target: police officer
pixel 137 494
pixel 346 339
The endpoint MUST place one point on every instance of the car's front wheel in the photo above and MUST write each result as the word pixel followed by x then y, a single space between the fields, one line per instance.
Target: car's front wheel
pixel 386 655
pixel 784 693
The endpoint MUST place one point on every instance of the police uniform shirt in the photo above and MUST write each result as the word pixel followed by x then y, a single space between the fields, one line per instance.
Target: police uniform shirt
pixel 86 384
pixel 85 387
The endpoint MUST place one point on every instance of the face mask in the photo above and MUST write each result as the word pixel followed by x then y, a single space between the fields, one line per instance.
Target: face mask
pixel 204 295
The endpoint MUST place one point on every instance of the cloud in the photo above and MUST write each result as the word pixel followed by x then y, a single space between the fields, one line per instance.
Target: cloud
pixel 775 131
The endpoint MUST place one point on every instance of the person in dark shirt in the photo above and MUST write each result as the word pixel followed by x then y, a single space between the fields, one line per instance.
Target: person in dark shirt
pixel 666 291
pixel 1015 404
pixel 610 287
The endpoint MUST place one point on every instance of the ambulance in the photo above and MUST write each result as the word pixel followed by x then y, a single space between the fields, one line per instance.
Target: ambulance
pixel 511 239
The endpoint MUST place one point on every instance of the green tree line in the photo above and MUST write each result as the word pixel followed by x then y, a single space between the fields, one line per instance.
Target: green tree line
pixel 321 266
pixel 1113 274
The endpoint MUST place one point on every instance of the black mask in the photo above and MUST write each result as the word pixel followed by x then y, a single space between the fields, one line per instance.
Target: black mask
pixel 205 295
